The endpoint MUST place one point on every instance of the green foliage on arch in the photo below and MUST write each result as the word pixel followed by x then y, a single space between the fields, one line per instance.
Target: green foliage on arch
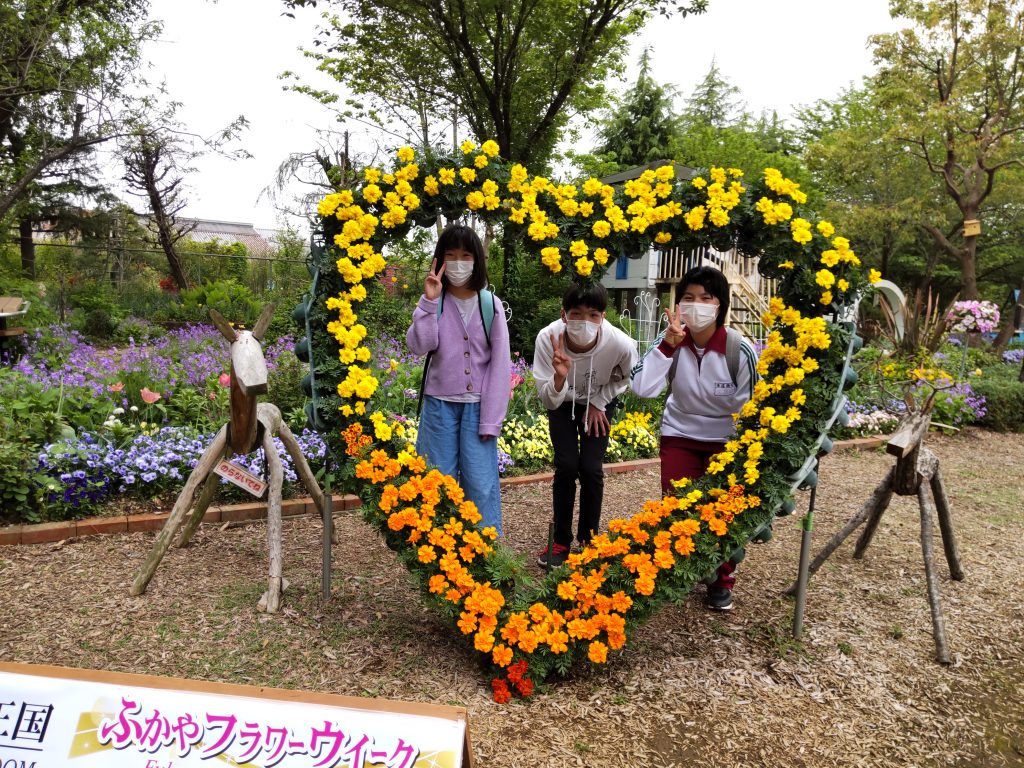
pixel 528 628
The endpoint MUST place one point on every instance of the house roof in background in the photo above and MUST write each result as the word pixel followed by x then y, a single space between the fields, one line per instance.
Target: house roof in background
pixel 682 172
pixel 259 242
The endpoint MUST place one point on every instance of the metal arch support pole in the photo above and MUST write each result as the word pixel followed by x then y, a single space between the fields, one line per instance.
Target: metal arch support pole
pixel 327 513
pixel 803 573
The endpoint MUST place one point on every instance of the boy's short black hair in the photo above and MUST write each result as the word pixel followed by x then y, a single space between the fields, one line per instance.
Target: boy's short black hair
pixel 594 296
pixel 457 235
pixel 714 282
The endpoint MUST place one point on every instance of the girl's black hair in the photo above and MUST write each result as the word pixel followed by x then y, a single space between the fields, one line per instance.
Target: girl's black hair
pixel 457 235
pixel 711 280
pixel 593 296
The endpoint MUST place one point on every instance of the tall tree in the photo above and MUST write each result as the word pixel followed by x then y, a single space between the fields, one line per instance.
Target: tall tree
pixel 515 69
pixel 955 80
pixel 643 125
pixel 64 66
pixel 875 192
pixel 715 102
pixel 152 172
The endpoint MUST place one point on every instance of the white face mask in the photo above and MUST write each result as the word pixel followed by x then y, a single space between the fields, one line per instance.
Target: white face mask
pixel 458 272
pixel 582 332
pixel 698 316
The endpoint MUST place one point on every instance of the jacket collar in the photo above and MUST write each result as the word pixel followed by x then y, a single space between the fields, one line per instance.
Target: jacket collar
pixel 715 344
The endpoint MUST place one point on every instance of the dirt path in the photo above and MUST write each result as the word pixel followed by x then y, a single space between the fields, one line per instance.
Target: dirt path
pixel 862 688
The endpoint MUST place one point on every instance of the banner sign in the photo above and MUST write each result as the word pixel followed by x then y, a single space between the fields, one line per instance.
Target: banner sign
pixel 240 477
pixel 52 717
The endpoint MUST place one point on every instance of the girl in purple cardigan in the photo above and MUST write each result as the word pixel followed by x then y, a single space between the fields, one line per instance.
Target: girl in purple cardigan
pixel 466 390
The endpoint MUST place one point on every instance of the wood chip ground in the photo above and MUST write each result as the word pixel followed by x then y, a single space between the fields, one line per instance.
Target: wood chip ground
pixel 693 688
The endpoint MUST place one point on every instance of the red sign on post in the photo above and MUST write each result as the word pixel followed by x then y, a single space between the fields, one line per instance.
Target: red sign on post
pixel 235 474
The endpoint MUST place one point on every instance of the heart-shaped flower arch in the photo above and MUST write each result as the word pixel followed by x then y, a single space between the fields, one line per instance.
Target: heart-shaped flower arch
pixel 589 606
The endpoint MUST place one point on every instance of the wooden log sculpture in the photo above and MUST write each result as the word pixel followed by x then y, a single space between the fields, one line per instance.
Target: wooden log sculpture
pixel 252 425
pixel 915 464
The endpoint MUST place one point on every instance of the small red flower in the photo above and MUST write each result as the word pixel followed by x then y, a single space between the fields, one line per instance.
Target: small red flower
pixel 502 694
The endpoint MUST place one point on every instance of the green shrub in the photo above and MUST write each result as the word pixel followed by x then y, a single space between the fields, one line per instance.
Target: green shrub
pixel 1004 404
pixel 235 302
pixel 92 296
pixel 99 324
pixel 136 329
pixel 283 382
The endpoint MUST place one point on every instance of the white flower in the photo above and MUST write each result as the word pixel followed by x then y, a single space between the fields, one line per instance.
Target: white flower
pixel 134 409
pixel 118 411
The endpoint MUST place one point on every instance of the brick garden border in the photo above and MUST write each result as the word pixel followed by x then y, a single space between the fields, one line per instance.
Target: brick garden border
pixel 47 533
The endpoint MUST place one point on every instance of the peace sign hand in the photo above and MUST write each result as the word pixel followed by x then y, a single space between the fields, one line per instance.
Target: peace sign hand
pixel 674 332
pixel 432 284
pixel 560 361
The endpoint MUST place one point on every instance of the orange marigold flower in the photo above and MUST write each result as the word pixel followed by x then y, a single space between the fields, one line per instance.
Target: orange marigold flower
pixel 598 652
pixel 502 655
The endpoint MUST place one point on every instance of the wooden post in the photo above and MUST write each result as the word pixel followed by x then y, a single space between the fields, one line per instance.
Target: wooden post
pixel 879 501
pixel 202 503
pixel 181 506
pixel 273 522
pixel 956 572
pixel 938 623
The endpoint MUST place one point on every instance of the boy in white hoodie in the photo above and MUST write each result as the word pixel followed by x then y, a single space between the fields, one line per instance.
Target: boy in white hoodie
pixel 581 363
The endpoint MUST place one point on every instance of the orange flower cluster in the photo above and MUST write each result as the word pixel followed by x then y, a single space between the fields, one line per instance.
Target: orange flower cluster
pixel 726 505
pixel 421 505
pixel 355 441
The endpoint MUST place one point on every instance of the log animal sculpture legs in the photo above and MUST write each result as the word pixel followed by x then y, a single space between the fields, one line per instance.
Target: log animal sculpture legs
pixel 181 506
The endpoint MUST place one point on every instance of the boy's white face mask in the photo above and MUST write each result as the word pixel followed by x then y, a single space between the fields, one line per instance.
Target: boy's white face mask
pixel 698 316
pixel 458 272
pixel 582 332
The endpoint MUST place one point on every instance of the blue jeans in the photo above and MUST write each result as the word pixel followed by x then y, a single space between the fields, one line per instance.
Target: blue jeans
pixel 449 437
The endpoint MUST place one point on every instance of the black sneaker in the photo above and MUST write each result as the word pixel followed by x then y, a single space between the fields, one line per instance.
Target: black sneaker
pixel 558 555
pixel 718 599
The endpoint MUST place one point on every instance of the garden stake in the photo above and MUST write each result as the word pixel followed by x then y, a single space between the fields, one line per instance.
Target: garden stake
pixel 327 515
pixel 252 425
pixel 806 525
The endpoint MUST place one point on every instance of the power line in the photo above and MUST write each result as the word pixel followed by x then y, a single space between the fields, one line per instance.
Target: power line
pixel 154 251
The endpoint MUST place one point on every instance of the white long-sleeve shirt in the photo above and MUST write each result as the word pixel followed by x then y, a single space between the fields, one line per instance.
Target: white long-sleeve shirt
pixel 596 376
pixel 703 397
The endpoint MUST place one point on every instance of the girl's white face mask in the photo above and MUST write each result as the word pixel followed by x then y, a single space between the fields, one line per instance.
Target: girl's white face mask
pixel 582 332
pixel 458 272
pixel 698 316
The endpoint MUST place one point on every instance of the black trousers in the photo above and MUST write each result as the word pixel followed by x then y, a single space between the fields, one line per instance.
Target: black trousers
pixel 578 456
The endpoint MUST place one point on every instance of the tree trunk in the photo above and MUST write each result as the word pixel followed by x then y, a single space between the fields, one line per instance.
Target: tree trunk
pixel 969 269
pixel 28 249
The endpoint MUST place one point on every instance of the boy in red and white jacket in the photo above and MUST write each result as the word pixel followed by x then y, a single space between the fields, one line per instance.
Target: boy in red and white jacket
pixel 711 371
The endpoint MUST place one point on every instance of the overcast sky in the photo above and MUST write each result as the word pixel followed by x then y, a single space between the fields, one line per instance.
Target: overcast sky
pixel 222 59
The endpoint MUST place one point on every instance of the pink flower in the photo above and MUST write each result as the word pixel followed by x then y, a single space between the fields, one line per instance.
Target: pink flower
pixel 212 395
pixel 149 397
pixel 513 383
pixel 116 387
pixel 224 379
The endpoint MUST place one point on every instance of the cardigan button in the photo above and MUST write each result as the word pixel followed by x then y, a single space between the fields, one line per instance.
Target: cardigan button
pixel 469 387
pixel 467 371
pixel 465 338
pixel 465 354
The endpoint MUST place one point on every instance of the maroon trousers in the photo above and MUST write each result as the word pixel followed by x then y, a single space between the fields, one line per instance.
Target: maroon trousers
pixel 682 457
